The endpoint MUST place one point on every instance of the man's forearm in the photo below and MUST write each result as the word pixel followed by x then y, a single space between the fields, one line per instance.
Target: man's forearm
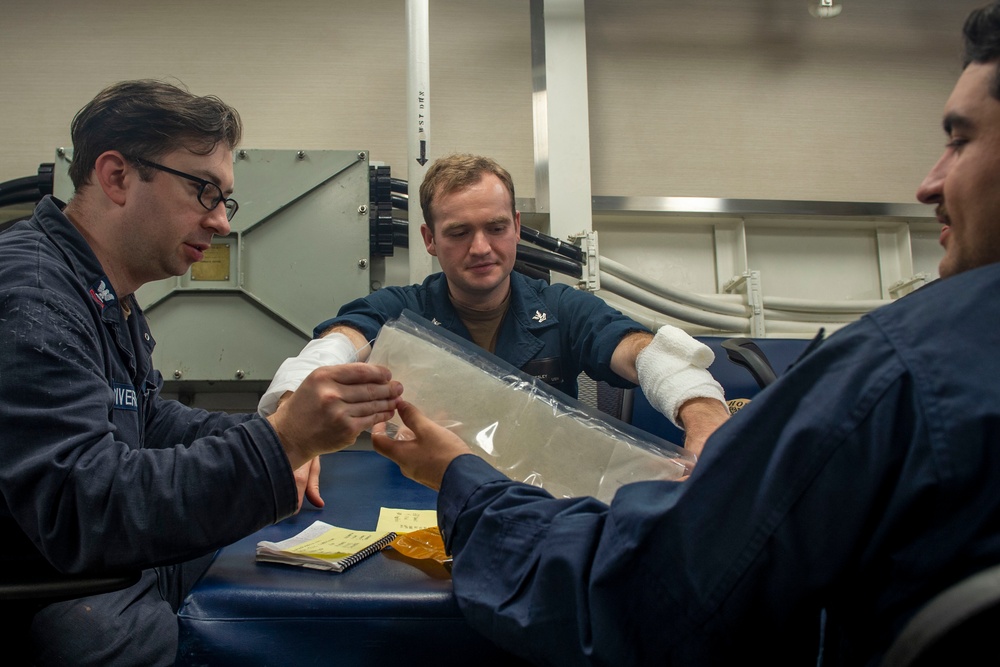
pixel 356 337
pixel 624 357
pixel 700 417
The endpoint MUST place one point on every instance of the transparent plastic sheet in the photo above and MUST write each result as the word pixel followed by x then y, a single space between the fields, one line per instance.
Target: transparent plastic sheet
pixel 522 427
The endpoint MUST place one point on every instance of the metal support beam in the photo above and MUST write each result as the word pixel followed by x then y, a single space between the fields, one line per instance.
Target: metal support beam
pixel 895 261
pixel 730 252
pixel 749 284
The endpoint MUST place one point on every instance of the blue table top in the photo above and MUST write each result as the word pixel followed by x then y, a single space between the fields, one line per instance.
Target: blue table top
pixel 354 486
pixel 387 607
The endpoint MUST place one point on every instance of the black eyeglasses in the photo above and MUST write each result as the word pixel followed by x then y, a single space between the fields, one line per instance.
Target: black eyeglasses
pixel 209 195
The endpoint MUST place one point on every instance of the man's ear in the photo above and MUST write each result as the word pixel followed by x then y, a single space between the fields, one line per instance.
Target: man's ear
pixel 114 174
pixel 428 235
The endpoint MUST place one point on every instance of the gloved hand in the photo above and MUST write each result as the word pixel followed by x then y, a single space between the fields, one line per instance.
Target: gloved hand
pixel 672 370
pixel 332 350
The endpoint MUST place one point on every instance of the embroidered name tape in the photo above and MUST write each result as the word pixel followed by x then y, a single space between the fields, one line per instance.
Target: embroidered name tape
pixel 125 398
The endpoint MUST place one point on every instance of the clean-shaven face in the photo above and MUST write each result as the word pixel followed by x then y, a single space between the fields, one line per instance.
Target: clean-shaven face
pixel 475 240
pixel 168 228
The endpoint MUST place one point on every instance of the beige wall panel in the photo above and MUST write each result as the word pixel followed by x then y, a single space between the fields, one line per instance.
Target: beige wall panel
pixel 715 98
pixel 320 74
pixel 758 99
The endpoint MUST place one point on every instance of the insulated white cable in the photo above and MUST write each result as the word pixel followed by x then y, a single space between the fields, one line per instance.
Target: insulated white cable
pixel 775 307
pixel 858 307
pixel 679 311
pixel 652 322
pixel 706 303
pixel 797 316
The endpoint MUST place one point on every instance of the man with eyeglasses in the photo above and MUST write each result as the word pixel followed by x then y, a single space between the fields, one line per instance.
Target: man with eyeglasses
pixel 98 473
pixel 209 194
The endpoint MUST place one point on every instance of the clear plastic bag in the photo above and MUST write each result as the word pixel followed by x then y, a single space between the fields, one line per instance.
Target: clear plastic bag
pixel 521 426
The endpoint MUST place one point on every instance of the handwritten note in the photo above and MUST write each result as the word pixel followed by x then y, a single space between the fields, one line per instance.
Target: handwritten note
pixel 404 521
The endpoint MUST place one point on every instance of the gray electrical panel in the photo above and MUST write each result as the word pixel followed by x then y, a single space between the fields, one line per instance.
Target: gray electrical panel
pixel 297 251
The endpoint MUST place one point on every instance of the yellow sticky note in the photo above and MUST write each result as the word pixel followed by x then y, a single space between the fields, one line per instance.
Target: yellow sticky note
pixel 404 521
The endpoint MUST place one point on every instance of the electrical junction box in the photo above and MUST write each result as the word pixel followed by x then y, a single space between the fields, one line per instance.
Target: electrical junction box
pixel 297 251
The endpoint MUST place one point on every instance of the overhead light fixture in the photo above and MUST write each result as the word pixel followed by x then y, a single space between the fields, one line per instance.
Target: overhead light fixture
pixel 824 9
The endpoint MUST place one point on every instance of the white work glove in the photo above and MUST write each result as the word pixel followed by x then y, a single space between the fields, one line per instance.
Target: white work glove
pixel 672 370
pixel 329 351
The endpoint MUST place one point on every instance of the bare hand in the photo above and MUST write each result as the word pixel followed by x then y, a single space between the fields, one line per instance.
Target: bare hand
pixel 331 407
pixel 423 452
pixel 307 482
pixel 700 417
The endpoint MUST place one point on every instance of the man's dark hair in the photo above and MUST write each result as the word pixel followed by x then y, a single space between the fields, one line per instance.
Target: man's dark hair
pixel 982 40
pixel 148 119
pixel 455 172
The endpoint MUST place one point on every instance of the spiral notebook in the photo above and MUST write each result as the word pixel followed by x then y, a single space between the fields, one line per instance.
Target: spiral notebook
pixel 325 547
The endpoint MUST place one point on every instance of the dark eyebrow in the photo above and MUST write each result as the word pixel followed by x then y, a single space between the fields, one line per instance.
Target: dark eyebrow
pixel 205 175
pixel 953 121
pixel 209 177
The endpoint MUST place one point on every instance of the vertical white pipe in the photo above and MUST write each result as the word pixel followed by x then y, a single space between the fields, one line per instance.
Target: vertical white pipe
pixel 539 106
pixel 567 116
pixel 418 105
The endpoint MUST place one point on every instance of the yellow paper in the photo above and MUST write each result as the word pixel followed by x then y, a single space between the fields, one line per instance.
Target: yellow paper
pixel 401 521
pixel 337 543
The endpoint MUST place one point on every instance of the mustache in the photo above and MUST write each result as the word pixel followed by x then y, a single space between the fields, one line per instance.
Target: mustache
pixel 942 214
